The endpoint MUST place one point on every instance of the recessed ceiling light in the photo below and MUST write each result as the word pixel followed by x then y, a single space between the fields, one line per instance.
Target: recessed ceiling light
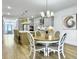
pixel 9 7
pixel 8 13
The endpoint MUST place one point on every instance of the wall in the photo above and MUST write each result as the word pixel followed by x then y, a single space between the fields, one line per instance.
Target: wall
pixel 59 16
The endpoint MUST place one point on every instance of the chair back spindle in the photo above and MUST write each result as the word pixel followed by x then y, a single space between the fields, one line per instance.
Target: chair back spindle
pixel 63 38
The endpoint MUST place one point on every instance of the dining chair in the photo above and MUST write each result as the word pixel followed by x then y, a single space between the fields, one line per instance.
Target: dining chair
pixel 38 33
pixel 33 33
pixel 34 48
pixel 57 35
pixel 58 47
pixel 24 38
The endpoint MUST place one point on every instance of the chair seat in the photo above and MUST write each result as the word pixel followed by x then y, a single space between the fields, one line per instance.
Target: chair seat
pixel 53 47
pixel 39 47
pixel 39 44
pixel 53 44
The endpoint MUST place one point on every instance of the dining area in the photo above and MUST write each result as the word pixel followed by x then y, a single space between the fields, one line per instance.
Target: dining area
pixel 43 42
pixel 40 40
pixel 39 29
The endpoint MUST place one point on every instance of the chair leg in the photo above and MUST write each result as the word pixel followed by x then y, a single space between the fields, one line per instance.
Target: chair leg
pixel 58 54
pixel 31 51
pixel 44 52
pixel 63 54
pixel 34 54
pixel 48 51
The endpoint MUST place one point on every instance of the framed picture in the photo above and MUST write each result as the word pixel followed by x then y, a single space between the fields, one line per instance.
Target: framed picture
pixel 70 22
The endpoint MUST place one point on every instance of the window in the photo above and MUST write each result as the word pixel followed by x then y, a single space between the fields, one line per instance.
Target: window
pixel 9 28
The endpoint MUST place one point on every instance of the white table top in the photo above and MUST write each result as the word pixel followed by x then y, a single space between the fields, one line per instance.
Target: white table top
pixel 41 41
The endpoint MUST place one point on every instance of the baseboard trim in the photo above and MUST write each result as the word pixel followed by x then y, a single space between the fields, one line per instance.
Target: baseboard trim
pixel 70 44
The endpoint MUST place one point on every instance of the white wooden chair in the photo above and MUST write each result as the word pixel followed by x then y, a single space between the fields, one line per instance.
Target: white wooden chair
pixel 57 34
pixel 34 48
pixel 59 47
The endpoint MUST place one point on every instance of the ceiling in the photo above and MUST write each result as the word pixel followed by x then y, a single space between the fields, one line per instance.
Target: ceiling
pixel 34 7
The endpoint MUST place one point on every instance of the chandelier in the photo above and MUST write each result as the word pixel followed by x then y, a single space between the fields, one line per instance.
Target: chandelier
pixel 24 19
pixel 47 13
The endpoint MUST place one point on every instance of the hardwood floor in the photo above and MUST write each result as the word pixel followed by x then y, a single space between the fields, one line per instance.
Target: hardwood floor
pixel 15 51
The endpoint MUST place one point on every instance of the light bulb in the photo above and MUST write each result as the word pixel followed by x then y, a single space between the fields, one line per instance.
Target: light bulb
pixel 52 14
pixel 8 13
pixel 42 14
pixel 9 7
pixel 48 13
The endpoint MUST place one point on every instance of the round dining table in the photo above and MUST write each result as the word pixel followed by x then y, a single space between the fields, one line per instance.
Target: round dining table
pixel 46 42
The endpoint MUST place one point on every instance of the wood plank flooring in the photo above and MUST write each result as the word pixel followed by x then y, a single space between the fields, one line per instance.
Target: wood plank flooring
pixel 15 51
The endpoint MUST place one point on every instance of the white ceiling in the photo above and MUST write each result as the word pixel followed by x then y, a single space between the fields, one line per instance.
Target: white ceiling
pixel 34 7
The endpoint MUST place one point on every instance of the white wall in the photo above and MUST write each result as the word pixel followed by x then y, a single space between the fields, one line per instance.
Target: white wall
pixel 59 16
